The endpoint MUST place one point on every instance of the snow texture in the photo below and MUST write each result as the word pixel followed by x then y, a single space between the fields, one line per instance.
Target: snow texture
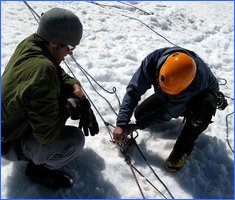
pixel 111 50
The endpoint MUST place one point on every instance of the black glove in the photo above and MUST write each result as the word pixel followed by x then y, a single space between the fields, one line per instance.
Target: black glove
pixel 88 121
pixel 221 101
pixel 74 107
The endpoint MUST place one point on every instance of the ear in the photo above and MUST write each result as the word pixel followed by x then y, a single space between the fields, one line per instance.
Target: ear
pixel 51 46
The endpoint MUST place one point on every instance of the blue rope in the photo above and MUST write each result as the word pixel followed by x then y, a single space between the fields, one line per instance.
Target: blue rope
pixel 227 131
pixel 86 74
pixel 88 77
pixel 35 15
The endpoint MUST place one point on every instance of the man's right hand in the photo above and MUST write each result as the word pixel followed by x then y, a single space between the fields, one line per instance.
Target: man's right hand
pixel 120 133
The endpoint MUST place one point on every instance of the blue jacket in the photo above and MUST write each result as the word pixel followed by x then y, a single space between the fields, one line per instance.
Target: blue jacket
pixel 145 77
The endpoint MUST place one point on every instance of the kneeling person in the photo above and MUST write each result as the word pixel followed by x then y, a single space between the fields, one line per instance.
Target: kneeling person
pixel 38 97
pixel 183 86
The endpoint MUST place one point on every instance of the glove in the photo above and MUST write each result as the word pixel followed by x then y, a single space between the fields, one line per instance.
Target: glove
pixel 221 101
pixel 74 107
pixel 88 122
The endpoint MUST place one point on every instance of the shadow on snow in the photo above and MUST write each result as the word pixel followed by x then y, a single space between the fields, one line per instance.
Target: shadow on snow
pixel 208 172
pixel 86 169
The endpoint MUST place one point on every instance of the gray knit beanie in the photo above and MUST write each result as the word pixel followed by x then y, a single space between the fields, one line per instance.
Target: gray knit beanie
pixel 60 26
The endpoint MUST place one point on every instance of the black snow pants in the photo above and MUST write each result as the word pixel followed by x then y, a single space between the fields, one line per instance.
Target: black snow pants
pixel 200 110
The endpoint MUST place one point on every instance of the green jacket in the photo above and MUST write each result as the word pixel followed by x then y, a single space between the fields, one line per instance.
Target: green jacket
pixel 34 92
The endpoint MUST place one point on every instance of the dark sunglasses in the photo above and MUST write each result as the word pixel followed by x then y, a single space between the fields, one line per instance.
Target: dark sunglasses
pixel 70 48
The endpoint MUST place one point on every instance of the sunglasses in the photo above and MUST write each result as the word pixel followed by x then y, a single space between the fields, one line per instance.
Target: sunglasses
pixel 69 47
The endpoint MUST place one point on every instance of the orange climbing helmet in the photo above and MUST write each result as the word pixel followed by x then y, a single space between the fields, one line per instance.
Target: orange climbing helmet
pixel 177 72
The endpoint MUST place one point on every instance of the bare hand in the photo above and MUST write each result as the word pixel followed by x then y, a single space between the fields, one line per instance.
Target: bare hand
pixel 119 135
pixel 77 91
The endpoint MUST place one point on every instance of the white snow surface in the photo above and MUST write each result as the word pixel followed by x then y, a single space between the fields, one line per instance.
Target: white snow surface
pixel 111 50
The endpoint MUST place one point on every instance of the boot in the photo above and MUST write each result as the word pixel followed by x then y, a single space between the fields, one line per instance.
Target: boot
pixel 175 161
pixel 50 178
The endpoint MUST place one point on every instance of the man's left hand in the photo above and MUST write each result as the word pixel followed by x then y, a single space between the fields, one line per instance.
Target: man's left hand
pixel 88 122
pixel 77 91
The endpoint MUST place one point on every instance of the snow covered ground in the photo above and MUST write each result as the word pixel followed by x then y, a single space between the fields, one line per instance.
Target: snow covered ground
pixel 111 50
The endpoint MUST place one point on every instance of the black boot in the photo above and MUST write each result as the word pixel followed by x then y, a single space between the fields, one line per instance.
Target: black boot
pixel 50 178
pixel 176 160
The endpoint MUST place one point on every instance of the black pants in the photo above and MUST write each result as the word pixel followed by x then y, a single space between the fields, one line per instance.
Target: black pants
pixel 198 117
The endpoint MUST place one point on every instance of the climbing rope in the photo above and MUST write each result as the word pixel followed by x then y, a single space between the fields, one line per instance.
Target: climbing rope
pixel 145 12
pixel 219 79
pixel 127 159
pixel 133 18
pixel 227 131
pixel 35 15
pixel 107 124
pixel 227 116
pixel 88 76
